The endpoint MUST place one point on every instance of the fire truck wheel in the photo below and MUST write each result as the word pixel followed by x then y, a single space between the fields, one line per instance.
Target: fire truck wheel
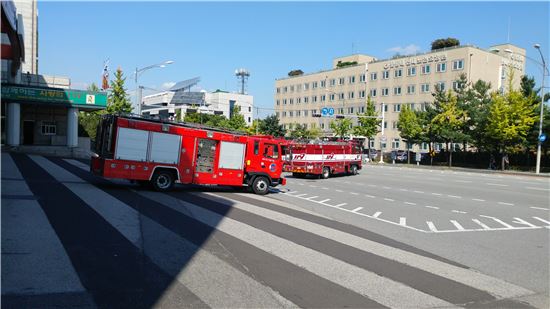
pixel 260 185
pixel 163 180
pixel 353 169
pixel 326 173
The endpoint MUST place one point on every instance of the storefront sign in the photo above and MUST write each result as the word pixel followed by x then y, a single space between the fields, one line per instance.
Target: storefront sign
pixel 414 60
pixel 54 96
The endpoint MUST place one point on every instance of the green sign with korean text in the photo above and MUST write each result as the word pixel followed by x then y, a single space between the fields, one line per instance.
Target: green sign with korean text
pixel 77 98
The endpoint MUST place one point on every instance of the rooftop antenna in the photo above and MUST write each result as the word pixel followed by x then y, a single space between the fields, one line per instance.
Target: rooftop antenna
pixel 242 76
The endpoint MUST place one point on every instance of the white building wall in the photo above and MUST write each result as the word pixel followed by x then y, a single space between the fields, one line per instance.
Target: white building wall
pixel 29 10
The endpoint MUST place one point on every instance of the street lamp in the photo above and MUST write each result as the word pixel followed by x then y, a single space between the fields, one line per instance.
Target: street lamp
pixel 539 142
pixel 136 75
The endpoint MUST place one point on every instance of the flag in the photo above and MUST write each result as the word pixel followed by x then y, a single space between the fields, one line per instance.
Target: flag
pixel 105 79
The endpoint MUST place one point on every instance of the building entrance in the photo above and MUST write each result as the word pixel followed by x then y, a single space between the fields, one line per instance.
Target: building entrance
pixel 28 132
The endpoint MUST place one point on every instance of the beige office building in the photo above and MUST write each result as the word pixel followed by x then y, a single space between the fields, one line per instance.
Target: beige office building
pixel 392 83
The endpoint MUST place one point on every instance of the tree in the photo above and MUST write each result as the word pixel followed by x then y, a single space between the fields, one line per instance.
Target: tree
pixel 254 128
pixel 237 122
pixel 93 88
pixel 442 43
pixel 270 126
pixel 511 116
pixel 296 73
pixel 299 132
pixel 410 128
pixel 367 124
pixel 475 102
pixel 341 127
pixel 88 121
pixel 118 101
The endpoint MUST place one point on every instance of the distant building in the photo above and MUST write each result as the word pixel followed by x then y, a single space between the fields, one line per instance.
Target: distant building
pixel 180 97
pixel 396 82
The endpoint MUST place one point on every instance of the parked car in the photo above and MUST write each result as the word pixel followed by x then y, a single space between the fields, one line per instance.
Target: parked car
pixel 399 155
pixel 373 153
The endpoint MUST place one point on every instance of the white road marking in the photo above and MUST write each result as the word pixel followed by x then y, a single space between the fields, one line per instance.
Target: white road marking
pixel 409 203
pixel 539 189
pixel 454 196
pixel 542 220
pixel 478 199
pixel 324 188
pixel 313 186
pixel 371 196
pixel 324 200
pixel 405 190
pixel 438 194
pixel 354 193
pixel 389 200
pixel 485 227
pixel 499 221
pixel 339 191
pixel 458 226
pixel 388 188
pixel 298 195
pixel 340 205
pixel 503 203
pixel 301 184
pixel 540 208
pixel 372 185
pixel 432 207
pixel 376 214
pixel 458 211
pixel 403 221
pixel 495 184
pixel 357 209
pixel 463 181
pixel 431 226
pixel 521 221
pixel 418 191
pixel 311 197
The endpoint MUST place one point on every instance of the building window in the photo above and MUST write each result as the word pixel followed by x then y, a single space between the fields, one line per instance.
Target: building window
pixel 322 125
pixel 341 81
pixel 458 64
pixel 394 125
pixel 385 92
pixel 284 101
pixel 323 84
pixel 332 97
pixel 362 78
pixel 440 86
pixel 292 88
pixel 249 109
pixel 306 99
pixel 314 85
pixel 425 69
pixel 351 79
pixel 277 114
pixel 313 111
pixel 385 107
pixel 373 76
pixel 411 89
pixel 398 73
pixel 373 93
pixel 332 82
pixel 341 96
pixel 314 99
pixel 395 143
pixel 284 114
pixel 305 113
pixel 351 95
pixel 341 110
pixel 362 109
pixel 441 67
pixel 290 114
pixel 248 119
pixel 385 74
pixel 350 110
pixel 411 71
pixel 48 128
pixel 291 101
pixel 306 86
pixel 278 102
pixel 425 88
pixel 298 113
pixel 285 89
pixel 397 108
pixel 456 85
pixel 362 93
pixel 278 90
pixel 385 124
pixel 299 87
pixel 323 98
pixel 397 90
pixel 298 100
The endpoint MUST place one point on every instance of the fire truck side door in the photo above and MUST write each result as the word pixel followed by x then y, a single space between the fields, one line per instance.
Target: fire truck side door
pixel 271 155
pixel 188 147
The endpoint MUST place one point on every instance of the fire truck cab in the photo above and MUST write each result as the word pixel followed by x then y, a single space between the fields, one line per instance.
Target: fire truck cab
pixel 162 153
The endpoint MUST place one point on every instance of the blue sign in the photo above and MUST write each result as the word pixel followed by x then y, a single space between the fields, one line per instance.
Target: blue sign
pixel 324 111
pixel 542 137
pixel 331 111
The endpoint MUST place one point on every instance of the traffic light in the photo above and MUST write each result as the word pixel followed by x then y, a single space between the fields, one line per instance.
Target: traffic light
pixel 339 116
pixel 315 115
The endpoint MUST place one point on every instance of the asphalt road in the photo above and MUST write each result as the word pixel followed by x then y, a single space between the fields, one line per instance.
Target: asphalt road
pixel 385 238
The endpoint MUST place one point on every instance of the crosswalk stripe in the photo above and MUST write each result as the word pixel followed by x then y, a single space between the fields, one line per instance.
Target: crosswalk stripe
pixel 471 278
pixel 382 290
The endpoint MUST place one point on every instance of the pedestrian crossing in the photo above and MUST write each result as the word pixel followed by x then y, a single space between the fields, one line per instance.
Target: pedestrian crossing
pixel 122 246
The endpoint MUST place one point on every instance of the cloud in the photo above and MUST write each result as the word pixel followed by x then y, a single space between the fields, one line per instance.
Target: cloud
pixel 407 50
pixel 167 85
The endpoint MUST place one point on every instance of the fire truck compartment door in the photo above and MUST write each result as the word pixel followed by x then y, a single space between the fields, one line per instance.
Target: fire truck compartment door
pixel 131 144
pixel 231 156
pixel 165 148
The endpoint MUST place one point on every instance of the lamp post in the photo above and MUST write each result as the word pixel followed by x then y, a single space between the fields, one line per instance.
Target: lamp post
pixel 539 142
pixel 382 134
pixel 136 75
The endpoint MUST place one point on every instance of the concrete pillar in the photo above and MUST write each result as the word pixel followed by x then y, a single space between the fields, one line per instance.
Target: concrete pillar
pixel 72 127
pixel 13 122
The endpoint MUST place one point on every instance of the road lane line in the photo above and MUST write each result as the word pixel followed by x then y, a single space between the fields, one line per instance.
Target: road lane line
pixel 324 188
pixel 377 214
pixel 538 189
pixel 454 196
pixel 432 207
pixel 485 227
pixel 521 221
pixel 338 190
pixel 539 208
pixel 403 221
pixel 496 184
pixel 357 209
pixel 431 226
pixel 508 204
pixel 438 194
pixel 416 191
pixel 405 190
pixel 389 200
pixel 311 197
pixel 542 220
pixel 340 205
pixel 324 200
pixel 457 225
pixel 354 193
pixel 388 188
pixel 499 221
pixel 478 200
pixel 458 211
pixel 298 195
pixel 409 203
pixel 371 196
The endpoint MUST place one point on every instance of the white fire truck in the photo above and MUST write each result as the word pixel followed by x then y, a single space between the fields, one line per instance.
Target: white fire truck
pixel 162 153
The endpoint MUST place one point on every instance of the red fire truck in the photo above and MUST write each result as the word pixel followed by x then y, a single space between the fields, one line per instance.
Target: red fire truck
pixel 161 153
pixel 323 158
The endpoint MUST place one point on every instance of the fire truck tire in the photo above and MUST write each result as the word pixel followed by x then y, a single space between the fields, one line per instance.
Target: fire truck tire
pixel 260 185
pixel 326 173
pixel 163 180
pixel 353 170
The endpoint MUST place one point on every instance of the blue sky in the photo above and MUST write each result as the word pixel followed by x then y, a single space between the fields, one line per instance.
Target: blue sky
pixel 213 39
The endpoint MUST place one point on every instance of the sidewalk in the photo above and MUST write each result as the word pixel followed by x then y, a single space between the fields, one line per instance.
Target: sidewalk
pixel 461 169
